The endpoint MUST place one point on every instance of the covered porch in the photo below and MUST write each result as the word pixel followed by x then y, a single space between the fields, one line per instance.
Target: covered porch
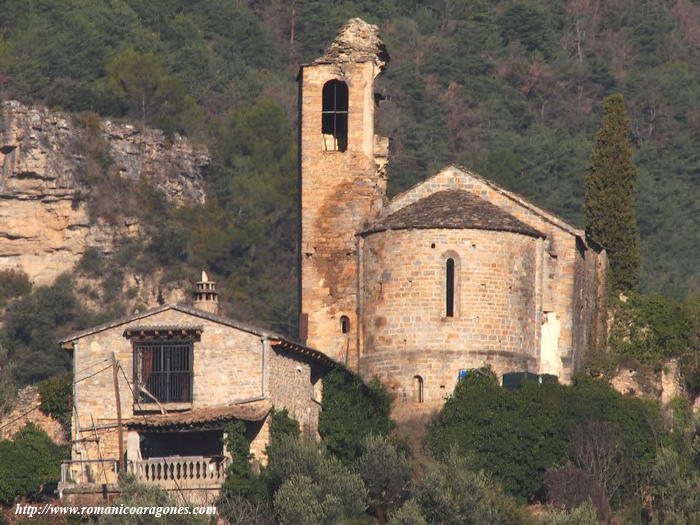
pixel 183 452
pixel 187 449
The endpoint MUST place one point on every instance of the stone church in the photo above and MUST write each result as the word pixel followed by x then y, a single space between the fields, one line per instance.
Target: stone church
pixel 453 274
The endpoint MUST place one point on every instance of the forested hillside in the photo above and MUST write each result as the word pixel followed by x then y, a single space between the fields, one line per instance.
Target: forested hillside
pixel 510 88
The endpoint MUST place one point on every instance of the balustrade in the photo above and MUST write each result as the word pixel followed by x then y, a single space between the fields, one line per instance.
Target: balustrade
pixel 180 472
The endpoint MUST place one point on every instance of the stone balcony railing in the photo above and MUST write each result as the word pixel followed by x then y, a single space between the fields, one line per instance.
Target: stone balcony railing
pixel 180 472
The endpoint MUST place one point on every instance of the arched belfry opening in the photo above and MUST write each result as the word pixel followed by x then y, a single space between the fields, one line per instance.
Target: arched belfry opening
pixel 345 324
pixel 334 121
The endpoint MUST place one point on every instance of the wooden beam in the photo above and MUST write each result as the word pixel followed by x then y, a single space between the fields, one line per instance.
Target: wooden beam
pixel 120 428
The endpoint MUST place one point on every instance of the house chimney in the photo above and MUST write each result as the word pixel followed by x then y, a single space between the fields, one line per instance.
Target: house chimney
pixel 205 296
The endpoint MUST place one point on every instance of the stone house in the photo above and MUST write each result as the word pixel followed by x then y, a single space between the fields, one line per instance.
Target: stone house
pixel 182 374
pixel 453 274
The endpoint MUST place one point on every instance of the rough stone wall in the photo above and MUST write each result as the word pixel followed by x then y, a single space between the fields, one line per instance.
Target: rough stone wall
pixel 227 368
pixel 258 444
pixel 495 291
pixel 25 410
pixel 559 257
pixel 406 331
pixel 291 387
pixel 590 303
pixel 339 192
pixel 44 224
pixel 644 382
pixel 438 370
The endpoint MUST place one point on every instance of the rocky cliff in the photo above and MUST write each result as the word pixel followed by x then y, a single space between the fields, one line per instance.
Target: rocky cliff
pixel 45 225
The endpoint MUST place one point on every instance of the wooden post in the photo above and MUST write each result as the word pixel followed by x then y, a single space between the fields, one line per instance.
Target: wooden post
pixel 120 430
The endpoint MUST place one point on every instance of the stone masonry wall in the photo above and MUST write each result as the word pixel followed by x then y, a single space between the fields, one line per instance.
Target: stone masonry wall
pixel 339 192
pixel 408 338
pixel 559 264
pixel 291 388
pixel 495 291
pixel 438 370
pixel 25 410
pixel 227 368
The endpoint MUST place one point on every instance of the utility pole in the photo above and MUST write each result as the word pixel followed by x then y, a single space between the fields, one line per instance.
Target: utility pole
pixel 120 431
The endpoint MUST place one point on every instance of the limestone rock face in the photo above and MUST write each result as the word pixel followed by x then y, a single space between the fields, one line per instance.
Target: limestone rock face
pixel 44 223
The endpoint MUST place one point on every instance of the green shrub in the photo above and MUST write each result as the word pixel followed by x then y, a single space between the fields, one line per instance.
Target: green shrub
pixel 91 263
pixel 454 492
pixel 290 456
pixel 134 494
pixel 351 411
pixel 386 473
pixel 282 424
pixel 408 514
pixel 690 361
pixel 317 488
pixel 675 490
pixel 240 479
pixel 27 463
pixel 583 515
pixel 56 394
pixel 34 323
pixel 13 283
pixel 650 328
pixel 519 435
pixel 8 388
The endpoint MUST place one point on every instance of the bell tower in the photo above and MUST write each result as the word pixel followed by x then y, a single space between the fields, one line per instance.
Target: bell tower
pixel 343 183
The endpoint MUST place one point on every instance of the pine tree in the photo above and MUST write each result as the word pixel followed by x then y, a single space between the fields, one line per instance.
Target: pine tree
pixel 609 207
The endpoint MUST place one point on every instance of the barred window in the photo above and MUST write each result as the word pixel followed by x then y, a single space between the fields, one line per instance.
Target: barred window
pixel 164 370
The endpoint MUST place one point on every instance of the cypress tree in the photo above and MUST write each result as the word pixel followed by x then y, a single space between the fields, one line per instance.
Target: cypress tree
pixel 609 207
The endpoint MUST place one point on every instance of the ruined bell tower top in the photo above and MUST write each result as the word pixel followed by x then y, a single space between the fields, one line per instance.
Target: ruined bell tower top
pixel 357 41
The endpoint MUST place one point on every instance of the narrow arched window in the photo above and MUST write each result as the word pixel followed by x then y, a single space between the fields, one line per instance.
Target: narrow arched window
pixel 417 389
pixel 334 121
pixel 450 288
pixel 344 324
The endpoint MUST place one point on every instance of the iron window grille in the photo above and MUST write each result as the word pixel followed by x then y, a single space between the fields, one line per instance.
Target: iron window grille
pixel 165 370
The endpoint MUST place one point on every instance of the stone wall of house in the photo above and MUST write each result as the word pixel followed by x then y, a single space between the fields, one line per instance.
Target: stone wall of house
pixel 292 387
pixel 339 192
pixel 25 410
pixel 227 368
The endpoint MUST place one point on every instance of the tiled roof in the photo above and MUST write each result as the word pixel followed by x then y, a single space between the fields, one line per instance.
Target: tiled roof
pixel 275 339
pixel 250 411
pixel 169 331
pixel 196 312
pixel 453 209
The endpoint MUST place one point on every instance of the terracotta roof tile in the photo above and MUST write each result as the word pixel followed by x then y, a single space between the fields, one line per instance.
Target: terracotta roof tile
pixel 250 411
pixel 453 209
